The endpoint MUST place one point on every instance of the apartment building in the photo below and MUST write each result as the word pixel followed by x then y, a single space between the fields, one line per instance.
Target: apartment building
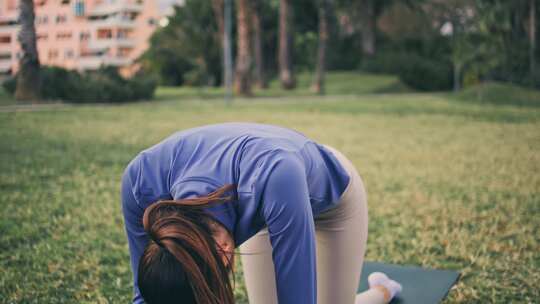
pixel 81 34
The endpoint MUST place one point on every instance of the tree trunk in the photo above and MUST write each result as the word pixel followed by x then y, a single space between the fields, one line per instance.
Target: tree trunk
pixel 318 83
pixel 286 75
pixel 457 76
pixel 28 79
pixel 532 36
pixel 368 27
pixel 260 78
pixel 218 7
pixel 227 51
pixel 242 80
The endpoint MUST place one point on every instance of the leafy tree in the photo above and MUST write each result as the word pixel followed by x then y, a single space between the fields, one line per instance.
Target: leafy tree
pixel 187 50
pixel 365 14
pixel 483 35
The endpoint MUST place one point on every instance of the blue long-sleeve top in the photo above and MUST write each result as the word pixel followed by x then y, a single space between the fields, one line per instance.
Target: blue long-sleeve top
pixel 283 179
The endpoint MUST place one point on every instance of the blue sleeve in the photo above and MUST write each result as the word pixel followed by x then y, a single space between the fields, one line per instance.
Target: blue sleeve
pixel 288 215
pixel 136 235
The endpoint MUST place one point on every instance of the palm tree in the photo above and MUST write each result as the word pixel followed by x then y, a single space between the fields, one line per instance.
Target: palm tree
pixel 285 45
pixel 260 78
pixel 218 7
pixel 28 79
pixel 243 58
pixel 318 83
pixel 366 13
pixel 369 19
pixel 532 35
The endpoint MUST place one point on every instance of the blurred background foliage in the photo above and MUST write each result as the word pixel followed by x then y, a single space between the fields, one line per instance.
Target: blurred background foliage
pixel 431 45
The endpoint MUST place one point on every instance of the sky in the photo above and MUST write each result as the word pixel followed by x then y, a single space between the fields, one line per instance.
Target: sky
pixel 165 6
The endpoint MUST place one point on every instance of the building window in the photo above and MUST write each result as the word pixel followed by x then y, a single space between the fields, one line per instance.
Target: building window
pixel 122 34
pixel 83 36
pixel 42 19
pixel 53 54
pixel 5 56
pixel 104 34
pixel 79 8
pixel 68 53
pixel 125 17
pixel 61 18
pixel 65 2
pixel 63 35
pixel 123 52
pixel 151 21
pixel 5 39
pixel 42 36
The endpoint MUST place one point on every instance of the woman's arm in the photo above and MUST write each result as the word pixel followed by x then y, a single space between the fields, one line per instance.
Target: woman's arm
pixel 287 211
pixel 137 238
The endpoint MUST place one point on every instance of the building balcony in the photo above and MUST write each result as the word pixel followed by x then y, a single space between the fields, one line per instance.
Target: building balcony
pixel 9 17
pixel 94 62
pixel 90 62
pixel 100 44
pixel 9 29
pixel 117 61
pixel 5 65
pixel 110 8
pixel 112 22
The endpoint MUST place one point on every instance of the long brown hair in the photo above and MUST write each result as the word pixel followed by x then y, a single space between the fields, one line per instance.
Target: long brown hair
pixel 181 262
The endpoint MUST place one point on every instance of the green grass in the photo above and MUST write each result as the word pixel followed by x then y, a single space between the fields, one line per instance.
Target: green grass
pixel 338 83
pixel 450 184
pixel 501 94
pixel 342 83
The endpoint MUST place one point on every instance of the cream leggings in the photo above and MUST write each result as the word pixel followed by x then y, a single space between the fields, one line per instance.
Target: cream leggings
pixel 341 235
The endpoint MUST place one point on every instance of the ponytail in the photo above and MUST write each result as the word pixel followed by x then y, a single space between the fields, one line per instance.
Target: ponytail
pixel 181 262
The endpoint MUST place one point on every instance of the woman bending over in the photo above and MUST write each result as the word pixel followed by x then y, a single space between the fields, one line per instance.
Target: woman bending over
pixel 296 209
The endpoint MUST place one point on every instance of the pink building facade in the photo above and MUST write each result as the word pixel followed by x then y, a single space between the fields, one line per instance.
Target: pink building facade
pixel 81 34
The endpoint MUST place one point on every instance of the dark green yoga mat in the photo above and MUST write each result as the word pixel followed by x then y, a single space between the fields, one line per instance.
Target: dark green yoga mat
pixel 420 285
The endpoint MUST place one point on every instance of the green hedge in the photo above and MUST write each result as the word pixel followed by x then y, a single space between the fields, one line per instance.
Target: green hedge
pixel 417 72
pixel 103 85
pixel 426 75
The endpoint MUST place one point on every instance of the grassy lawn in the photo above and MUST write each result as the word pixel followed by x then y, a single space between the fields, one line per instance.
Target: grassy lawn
pixel 339 83
pixel 451 184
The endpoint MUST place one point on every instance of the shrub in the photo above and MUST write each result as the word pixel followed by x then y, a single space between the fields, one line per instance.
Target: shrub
pixel 58 83
pixel 143 87
pixel 9 85
pixel 384 63
pixel 103 85
pixel 425 74
pixel 415 71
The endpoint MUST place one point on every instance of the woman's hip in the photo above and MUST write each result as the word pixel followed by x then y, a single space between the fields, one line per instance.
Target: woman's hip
pixel 352 204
